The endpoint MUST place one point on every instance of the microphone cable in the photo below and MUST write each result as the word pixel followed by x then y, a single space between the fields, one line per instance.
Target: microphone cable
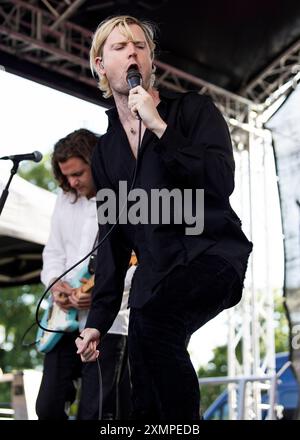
pixel 96 247
pixel 38 322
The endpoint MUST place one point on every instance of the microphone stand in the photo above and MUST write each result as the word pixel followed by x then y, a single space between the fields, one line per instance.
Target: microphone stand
pixel 4 195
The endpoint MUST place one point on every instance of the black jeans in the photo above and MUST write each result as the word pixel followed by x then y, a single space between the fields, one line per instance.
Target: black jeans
pixel 62 366
pixel 115 377
pixel 164 382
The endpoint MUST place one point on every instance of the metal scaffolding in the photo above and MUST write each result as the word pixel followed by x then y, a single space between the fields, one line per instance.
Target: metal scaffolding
pixel 251 341
pixel 40 37
pixel 46 38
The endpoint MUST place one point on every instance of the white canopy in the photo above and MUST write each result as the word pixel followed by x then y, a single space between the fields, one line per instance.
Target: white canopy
pixel 27 211
pixel 24 229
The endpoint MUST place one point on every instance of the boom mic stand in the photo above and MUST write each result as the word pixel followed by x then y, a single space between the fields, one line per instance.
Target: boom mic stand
pixel 4 194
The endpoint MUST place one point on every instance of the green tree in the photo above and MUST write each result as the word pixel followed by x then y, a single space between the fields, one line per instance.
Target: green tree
pixel 217 366
pixel 281 325
pixel 39 174
pixel 18 304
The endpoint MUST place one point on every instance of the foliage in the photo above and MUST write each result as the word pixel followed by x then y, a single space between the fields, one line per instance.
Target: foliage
pixel 39 174
pixel 217 366
pixel 18 305
pixel 281 326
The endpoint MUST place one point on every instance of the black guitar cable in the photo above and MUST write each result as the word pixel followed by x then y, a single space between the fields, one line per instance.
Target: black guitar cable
pixel 96 247
pixel 133 78
pixel 38 322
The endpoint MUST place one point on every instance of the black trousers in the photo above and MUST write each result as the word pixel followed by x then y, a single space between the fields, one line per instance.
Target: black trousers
pixel 62 366
pixel 164 383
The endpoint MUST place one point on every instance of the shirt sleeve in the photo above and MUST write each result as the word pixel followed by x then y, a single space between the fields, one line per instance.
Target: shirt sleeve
pixel 198 149
pixel 54 260
pixel 111 264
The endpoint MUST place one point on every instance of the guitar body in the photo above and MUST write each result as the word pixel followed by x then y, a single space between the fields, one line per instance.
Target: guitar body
pixel 54 318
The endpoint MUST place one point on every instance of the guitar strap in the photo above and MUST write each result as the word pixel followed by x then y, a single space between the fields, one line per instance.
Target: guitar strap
pixel 92 260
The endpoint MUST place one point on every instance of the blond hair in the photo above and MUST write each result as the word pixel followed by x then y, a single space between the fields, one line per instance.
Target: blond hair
pixel 104 29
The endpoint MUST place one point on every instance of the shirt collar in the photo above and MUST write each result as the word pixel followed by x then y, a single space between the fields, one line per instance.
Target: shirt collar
pixel 86 200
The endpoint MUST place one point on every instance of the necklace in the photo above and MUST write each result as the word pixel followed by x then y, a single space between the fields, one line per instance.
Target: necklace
pixel 132 130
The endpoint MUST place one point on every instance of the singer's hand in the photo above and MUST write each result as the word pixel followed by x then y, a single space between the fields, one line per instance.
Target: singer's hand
pixel 141 102
pixel 87 344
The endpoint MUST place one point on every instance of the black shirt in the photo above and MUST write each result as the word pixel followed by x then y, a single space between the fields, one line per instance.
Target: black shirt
pixel 195 152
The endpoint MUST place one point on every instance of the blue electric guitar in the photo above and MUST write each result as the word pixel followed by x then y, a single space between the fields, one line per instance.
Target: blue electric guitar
pixel 54 318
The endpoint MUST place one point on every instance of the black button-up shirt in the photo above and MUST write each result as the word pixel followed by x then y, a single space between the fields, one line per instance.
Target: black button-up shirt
pixel 194 152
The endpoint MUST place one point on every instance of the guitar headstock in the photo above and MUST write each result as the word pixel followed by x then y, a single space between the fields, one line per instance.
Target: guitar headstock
pixel 133 260
pixel 87 286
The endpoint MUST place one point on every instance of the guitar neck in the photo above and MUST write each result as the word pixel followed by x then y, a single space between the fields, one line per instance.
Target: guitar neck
pixel 87 287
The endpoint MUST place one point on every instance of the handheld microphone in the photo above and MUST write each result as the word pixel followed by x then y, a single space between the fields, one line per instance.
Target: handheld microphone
pixel 134 78
pixel 36 156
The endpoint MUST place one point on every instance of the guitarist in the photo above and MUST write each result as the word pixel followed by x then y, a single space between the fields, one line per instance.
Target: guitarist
pixel 73 230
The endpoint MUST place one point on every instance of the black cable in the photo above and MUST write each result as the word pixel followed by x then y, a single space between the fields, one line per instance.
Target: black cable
pixel 96 247
pixel 100 390
pixel 79 262
pixel 30 344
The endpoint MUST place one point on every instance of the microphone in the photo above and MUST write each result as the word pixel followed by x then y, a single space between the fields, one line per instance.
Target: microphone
pixel 134 78
pixel 36 156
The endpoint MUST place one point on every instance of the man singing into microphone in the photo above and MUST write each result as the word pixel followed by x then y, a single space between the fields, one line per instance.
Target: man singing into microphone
pixel 184 279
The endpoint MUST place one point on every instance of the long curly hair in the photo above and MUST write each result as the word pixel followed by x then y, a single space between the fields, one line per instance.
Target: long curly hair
pixel 80 143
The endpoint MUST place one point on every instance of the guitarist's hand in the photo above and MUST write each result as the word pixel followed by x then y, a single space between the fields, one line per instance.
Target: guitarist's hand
pixel 61 292
pixel 87 347
pixel 80 300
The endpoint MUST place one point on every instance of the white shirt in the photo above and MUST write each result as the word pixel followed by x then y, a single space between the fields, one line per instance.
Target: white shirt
pixel 73 231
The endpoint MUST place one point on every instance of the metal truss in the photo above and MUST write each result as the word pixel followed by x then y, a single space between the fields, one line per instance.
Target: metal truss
pixel 46 38
pixel 251 340
pixel 233 106
pixel 284 70
pixel 251 376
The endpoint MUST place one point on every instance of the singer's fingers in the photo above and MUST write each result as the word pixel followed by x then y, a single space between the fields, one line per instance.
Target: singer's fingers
pixel 87 353
pixel 134 112
pixel 85 343
pixel 90 358
pixel 81 346
pixel 135 90
pixel 133 100
pixel 90 353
